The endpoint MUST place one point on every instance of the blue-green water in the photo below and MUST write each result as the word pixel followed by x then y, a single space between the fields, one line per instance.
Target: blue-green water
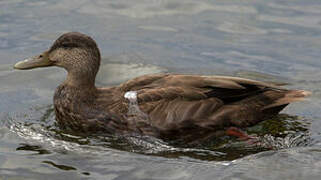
pixel 269 40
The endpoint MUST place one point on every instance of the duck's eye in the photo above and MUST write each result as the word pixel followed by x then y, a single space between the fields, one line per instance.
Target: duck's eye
pixel 68 45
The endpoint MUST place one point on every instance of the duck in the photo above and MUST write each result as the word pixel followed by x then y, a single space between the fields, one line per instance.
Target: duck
pixel 165 105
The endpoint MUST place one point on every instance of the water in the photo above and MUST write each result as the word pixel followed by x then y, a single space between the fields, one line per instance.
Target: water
pixel 267 40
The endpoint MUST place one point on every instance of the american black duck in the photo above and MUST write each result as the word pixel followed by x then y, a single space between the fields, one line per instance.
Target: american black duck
pixel 167 106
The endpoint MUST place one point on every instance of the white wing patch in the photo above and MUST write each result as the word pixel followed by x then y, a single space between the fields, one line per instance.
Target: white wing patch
pixel 131 96
pixel 134 113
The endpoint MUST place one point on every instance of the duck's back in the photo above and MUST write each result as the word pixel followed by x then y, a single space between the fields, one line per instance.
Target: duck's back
pixel 183 105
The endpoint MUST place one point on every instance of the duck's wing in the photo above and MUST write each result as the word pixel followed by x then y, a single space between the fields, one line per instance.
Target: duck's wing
pixel 194 87
pixel 182 101
pixel 142 82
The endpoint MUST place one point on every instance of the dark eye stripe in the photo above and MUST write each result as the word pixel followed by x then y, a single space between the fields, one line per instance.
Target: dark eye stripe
pixel 69 45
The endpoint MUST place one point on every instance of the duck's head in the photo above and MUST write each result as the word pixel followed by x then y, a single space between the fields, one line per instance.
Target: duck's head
pixel 75 52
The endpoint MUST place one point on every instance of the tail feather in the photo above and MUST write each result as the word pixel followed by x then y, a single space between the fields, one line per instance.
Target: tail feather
pixel 289 97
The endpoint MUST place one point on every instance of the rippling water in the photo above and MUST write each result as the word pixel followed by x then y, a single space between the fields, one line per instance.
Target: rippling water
pixel 269 40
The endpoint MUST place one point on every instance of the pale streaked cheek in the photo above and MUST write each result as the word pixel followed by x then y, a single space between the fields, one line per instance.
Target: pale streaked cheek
pixel 55 55
pixel 70 58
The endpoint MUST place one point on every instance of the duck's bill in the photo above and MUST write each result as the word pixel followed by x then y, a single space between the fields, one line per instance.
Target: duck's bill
pixel 34 62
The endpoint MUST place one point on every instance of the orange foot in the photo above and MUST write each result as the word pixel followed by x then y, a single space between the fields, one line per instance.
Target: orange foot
pixel 252 140
pixel 236 132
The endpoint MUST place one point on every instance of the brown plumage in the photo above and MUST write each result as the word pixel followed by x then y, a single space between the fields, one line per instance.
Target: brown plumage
pixel 168 106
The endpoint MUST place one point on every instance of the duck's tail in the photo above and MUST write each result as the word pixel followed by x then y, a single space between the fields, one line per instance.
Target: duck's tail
pixel 289 97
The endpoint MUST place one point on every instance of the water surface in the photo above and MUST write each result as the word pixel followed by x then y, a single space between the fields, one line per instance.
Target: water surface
pixel 267 40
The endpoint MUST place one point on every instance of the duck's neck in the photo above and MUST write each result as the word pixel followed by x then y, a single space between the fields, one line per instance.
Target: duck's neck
pixel 81 80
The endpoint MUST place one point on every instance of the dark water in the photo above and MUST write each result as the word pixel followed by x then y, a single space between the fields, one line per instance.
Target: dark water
pixel 269 40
